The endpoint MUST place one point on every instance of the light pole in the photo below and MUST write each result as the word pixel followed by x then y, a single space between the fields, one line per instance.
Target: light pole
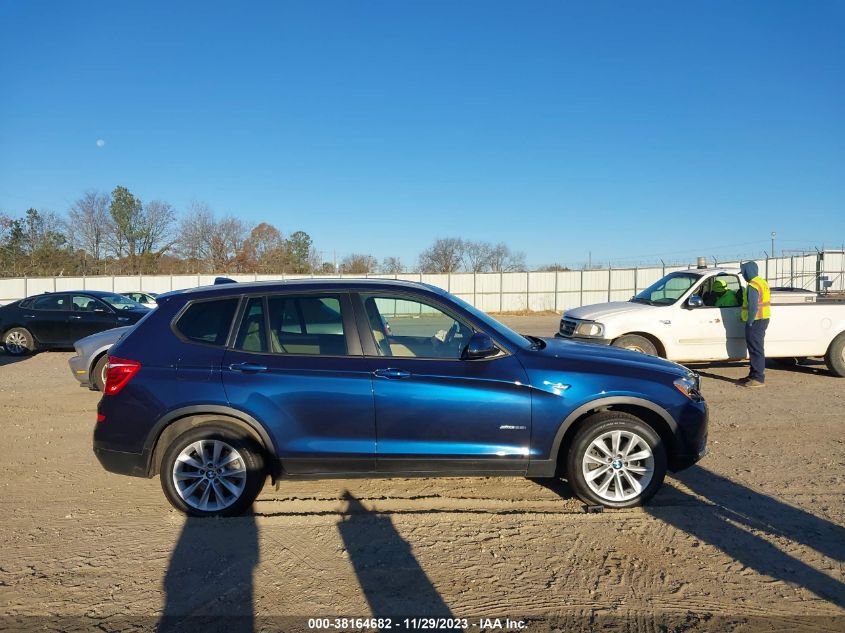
pixel 773 243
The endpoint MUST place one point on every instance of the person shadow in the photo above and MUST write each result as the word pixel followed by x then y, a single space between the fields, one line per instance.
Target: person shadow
pixel 391 578
pixel 743 523
pixel 209 581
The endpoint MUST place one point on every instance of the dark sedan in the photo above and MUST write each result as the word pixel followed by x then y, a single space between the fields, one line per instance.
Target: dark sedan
pixel 59 319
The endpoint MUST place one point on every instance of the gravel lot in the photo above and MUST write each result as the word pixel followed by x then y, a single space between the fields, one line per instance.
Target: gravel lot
pixel 753 537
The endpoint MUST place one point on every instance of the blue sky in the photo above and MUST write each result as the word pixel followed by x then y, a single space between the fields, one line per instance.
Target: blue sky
pixel 624 130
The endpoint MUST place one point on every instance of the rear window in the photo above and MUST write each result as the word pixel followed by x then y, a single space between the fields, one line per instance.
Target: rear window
pixel 208 321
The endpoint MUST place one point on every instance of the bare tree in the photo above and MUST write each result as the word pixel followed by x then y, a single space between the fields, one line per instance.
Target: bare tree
pixel 195 233
pixel 477 256
pixel 89 224
pixel 156 228
pixel 227 240
pixel 502 259
pixel 444 256
pixel 358 264
pixel 391 266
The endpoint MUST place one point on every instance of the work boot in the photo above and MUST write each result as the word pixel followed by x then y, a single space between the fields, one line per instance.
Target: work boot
pixel 751 382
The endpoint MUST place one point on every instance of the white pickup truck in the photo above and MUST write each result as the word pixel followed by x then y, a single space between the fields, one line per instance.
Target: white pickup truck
pixel 677 318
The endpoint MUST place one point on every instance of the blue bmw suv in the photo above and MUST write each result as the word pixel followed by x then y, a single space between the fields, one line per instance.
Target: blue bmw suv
pixel 224 385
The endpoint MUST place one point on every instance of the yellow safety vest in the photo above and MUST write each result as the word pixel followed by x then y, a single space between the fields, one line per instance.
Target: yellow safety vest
pixel 764 299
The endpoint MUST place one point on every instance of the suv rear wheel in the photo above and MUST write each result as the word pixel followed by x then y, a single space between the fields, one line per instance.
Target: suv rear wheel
pixel 212 471
pixel 616 460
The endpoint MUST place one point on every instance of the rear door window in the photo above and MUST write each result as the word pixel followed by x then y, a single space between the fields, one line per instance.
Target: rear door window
pixel 309 324
pixel 208 321
pixel 51 302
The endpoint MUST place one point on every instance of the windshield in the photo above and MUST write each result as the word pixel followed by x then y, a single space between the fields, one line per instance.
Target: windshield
pixel 667 290
pixel 119 302
pixel 495 326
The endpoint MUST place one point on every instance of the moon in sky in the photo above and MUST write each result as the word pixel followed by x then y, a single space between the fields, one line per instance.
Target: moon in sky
pixel 101 142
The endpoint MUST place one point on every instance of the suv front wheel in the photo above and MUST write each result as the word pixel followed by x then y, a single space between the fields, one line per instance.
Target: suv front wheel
pixel 212 471
pixel 616 460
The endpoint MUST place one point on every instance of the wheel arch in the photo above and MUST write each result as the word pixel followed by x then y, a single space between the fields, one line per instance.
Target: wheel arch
pixel 652 414
pixel 177 422
pixel 658 343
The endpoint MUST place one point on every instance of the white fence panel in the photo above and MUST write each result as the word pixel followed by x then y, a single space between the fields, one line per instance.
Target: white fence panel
pixel 491 292
pixel 12 289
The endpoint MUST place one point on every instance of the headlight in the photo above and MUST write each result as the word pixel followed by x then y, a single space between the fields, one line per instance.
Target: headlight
pixel 589 328
pixel 688 385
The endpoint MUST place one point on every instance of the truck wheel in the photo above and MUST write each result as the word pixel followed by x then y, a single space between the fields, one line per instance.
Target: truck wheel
pixel 212 471
pixel 18 342
pixel 98 374
pixel 835 357
pixel 616 460
pixel 636 343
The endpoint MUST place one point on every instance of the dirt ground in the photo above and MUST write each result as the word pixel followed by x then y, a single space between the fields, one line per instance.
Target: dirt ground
pixel 752 538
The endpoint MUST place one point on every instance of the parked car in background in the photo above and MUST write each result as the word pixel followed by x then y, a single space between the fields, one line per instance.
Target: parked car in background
pixel 146 299
pixel 89 364
pixel 678 318
pixel 59 319
pixel 328 378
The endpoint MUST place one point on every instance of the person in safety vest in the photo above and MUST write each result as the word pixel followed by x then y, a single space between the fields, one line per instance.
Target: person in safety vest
pixel 724 298
pixel 756 312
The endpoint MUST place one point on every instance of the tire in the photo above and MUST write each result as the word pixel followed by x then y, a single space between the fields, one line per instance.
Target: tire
pixel 636 343
pixel 19 342
pixel 98 373
pixel 221 500
pixel 620 482
pixel 835 357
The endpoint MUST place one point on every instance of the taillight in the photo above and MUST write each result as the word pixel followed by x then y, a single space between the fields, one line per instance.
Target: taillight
pixel 119 372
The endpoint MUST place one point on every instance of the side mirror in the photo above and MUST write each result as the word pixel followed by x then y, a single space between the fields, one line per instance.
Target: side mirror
pixel 695 301
pixel 480 346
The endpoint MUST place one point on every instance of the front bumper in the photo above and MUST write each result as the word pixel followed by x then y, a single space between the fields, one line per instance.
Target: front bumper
pixel 691 438
pixel 584 339
pixel 79 370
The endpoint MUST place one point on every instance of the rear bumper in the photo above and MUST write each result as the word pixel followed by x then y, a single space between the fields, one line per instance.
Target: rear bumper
pixel 79 370
pixel 133 464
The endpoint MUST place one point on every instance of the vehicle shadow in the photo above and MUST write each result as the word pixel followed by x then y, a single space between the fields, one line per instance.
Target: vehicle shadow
pixel 391 578
pixel 209 581
pixel 743 521
pixel 8 359
pixel 808 366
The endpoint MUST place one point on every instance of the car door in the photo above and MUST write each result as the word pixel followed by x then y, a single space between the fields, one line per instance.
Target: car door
pixel 89 315
pixel 710 331
pixel 47 318
pixel 436 412
pixel 296 365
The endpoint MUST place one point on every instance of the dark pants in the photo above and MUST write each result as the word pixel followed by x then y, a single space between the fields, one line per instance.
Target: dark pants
pixel 754 335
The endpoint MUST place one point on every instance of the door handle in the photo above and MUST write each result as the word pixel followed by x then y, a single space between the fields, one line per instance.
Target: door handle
pixel 122 318
pixel 391 372
pixel 248 368
pixel 75 316
pixel 28 316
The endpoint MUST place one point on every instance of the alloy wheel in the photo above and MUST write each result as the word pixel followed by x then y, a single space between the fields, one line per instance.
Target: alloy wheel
pixel 618 465
pixel 209 475
pixel 16 343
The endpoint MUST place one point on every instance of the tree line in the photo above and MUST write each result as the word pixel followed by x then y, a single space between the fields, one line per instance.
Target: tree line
pixel 117 233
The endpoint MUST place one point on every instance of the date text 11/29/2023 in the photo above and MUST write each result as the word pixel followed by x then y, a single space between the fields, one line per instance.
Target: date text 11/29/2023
pixel 417 624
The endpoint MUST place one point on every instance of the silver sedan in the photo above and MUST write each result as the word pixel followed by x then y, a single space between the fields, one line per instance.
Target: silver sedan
pixel 89 364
